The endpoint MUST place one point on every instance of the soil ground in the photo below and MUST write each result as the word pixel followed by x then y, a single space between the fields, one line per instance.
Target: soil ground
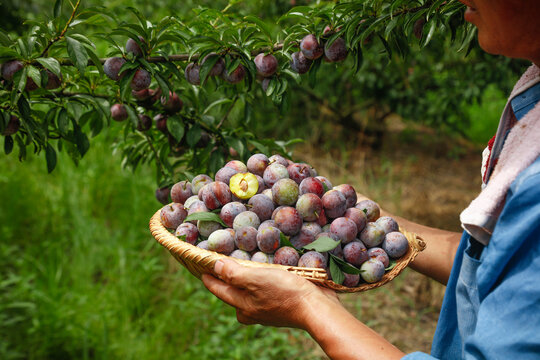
pixel 420 175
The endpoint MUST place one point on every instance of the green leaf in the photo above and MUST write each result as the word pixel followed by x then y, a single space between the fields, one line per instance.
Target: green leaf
pixel 50 156
pixel 35 75
pixel 217 103
pixel 205 216
pixel 51 64
pixel 8 53
pixel 261 25
pixel 62 122
pixel 81 140
pixel 391 265
pixel 207 66
pixel 216 160
pixel 176 128
pixel 345 266
pixel 284 241
pixel 57 8
pixel 77 53
pixel 8 144
pixel 322 244
pixel 193 135
pixel 335 271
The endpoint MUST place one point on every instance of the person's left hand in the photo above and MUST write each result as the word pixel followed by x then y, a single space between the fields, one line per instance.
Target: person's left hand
pixel 267 296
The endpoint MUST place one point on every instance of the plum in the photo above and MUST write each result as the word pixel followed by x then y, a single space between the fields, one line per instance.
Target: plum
pixel 299 63
pixel 372 270
pixel 337 51
pixel 388 224
pixel 181 191
pixel 173 215
pixel 188 230
pixel 199 181
pixel 395 244
pixel 287 256
pixel 266 65
pixel 133 47
pixel 112 67
pixel 276 158
pixel 162 195
pixel 257 163
pixel 246 218
pixel 307 234
pixel 246 238
pixel 206 228
pixel 355 253
pixel 312 259
pixel 349 192
pixel 230 210
pixel 358 216
pixel 221 241
pixel 237 165
pixel 141 80
pixel 53 81
pixel 311 185
pixel 310 47
pixel 262 206
pixel 288 220
pixel 285 192
pixel 379 254
pixel 244 185
pixel 273 173
pixel 203 245
pixel 119 112
pixel 372 235
pixel 345 229
pixel 309 207
pixel 240 254
pixel 261 257
pixel 173 104
pixel 192 74
pixel 351 280
pixel 326 183
pixel 334 203
pixel 266 224
pixel 268 239
pixel 371 208
pixel 216 195
pixel 10 68
pixel 144 122
pixel 298 172
pixel 236 75
pixel 224 174
pixel 14 125
pixel 218 67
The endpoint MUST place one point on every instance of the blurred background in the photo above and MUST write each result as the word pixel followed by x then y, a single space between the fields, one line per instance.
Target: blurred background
pixel 81 276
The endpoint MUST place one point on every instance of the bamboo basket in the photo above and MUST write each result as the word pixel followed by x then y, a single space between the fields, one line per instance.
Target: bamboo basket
pixel 199 261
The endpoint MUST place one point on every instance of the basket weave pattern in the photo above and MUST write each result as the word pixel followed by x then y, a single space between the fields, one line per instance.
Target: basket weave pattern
pixel 199 261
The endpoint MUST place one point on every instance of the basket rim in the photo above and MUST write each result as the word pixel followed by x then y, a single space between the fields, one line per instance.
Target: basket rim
pixel 199 261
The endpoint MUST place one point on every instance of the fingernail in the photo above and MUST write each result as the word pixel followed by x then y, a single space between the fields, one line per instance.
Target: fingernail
pixel 218 266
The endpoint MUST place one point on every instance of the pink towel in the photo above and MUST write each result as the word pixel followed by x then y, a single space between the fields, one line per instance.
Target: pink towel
pixel 521 148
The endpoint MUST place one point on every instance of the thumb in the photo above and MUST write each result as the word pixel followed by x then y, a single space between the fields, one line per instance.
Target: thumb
pixel 231 272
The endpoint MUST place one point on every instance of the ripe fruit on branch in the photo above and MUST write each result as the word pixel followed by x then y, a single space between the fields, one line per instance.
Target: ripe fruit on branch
pixel 161 123
pixel 144 122
pixel 173 104
pixel 112 66
pixel 300 63
pixel 236 75
pixel 266 64
pixel 134 48
pixel 119 112
pixel 192 74
pixel 337 51
pixel 10 68
pixel 310 47
pixel 218 67
pixel 12 126
pixel 53 81
pixel 141 80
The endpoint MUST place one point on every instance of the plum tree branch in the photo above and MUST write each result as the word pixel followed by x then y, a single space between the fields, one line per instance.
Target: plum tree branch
pixel 61 35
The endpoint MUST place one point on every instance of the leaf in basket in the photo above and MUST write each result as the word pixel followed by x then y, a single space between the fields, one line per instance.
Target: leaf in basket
pixel 335 271
pixel 205 216
pixel 322 244
pixel 345 266
pixel 284 239
pixel 391 265
pixel 182 237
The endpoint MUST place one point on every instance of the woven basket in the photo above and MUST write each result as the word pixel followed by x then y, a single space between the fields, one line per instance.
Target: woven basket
pixel 199 261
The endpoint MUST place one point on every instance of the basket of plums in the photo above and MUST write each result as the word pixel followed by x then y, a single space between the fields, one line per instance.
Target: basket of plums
pixel 274 213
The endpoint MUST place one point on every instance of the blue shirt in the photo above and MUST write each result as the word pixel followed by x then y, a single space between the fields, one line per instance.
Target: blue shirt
pixel 491 308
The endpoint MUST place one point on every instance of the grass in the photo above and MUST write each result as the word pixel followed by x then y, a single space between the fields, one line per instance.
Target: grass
pixel 81 276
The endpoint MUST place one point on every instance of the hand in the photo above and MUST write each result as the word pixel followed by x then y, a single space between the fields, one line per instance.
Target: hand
pixel 267 296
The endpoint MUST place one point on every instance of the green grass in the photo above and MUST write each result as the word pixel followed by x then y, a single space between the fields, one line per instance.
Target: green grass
pixel 81 276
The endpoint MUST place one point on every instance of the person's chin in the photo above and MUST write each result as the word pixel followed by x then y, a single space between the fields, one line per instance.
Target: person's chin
pixel 471 15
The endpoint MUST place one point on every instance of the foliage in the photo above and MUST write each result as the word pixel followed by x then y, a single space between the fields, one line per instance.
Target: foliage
pixel 217 117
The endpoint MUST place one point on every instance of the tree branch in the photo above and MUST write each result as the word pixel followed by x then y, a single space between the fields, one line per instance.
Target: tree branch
pixel 61 35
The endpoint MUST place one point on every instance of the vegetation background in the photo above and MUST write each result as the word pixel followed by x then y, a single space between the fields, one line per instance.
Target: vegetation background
pixel 81 277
